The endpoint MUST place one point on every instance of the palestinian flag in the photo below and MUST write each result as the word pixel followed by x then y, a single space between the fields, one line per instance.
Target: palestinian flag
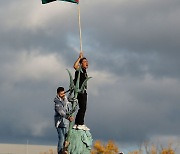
pixel 48 1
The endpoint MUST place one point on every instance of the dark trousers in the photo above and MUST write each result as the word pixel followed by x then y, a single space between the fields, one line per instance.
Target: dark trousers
pixel 82 101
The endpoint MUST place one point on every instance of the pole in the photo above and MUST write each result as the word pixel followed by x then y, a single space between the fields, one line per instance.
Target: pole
pixel 80 33
pixel 27 147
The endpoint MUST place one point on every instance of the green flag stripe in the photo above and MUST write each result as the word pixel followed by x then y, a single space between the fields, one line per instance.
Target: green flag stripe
pixel 48 1
pixel 72 1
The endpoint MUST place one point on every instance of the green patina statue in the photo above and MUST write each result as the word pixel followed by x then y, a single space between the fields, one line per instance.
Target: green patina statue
pixel 77 141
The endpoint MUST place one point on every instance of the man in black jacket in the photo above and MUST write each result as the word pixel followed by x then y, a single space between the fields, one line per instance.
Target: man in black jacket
pixel 82 97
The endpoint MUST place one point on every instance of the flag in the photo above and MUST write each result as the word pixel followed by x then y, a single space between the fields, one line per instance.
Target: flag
pixel 48 1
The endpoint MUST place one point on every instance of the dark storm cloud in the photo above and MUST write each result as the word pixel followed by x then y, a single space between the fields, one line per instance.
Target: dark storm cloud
pixel 24 29
pixel 146 33
pixel 136 26
pixel 27 98
pixel 133 52
pixel 131 111
pixel 27 114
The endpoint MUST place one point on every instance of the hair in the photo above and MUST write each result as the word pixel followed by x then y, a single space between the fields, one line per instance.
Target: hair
pixel 59 89
pixel 82 60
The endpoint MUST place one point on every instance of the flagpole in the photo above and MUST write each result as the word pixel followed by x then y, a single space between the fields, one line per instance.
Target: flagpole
pixel 80 33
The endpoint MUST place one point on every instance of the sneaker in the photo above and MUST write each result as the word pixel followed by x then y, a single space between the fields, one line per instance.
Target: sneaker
pixel 82 127
pixel 75 126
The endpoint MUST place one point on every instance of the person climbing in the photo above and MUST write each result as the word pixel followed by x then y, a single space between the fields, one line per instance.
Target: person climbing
pixel 82 97
pixel 61 117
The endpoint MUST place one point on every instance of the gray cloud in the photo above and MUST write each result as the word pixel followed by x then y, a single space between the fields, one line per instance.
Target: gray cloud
pixel 143 33
pixel 133 110
pixel 133 51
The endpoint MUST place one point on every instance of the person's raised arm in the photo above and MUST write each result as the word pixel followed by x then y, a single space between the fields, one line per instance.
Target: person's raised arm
pixel 76 64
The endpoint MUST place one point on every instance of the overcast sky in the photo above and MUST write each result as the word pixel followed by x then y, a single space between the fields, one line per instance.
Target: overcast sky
pixel 133 49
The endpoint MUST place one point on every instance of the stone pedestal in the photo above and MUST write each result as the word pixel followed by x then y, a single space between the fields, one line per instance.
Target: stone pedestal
pixel 80 142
